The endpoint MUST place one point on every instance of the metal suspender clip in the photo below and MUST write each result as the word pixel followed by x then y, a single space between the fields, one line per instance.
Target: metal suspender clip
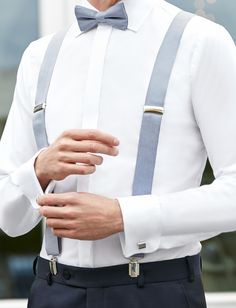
pixel 154 109
pixel 53 265
pixel 134 267
pixel 40 107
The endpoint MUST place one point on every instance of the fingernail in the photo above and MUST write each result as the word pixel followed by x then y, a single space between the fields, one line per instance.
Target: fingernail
pixel 37 198
pixel 116 151
pixel 116 141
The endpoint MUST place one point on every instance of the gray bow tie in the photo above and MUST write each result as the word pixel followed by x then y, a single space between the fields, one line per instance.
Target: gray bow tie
pixel 115 16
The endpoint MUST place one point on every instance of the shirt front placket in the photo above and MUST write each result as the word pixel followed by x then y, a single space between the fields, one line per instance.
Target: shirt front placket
pixel 91 108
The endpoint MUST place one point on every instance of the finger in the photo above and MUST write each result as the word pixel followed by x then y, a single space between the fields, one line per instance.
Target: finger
pixel 79 169
pixel 58 199
pixel 64 233
pixel 57 223
pixel 52 212
pixel 91 134
pixel 84 158
pixel 92 147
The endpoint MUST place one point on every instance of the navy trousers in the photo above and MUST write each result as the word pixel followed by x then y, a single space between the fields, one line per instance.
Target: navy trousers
pixel 109 288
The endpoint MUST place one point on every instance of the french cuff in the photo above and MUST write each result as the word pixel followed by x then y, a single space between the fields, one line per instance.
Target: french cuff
pixel 142 224
pixel 25 178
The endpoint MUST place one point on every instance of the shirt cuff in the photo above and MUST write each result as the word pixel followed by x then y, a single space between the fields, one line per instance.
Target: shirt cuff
pixel 142 224
pixel 25 178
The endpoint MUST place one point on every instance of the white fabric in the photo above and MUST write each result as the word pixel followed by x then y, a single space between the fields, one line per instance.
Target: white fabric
pixel 100 81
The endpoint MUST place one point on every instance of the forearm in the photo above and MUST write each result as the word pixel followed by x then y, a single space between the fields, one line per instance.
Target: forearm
pixel 210 208
pixel 19 186
pixel 178 219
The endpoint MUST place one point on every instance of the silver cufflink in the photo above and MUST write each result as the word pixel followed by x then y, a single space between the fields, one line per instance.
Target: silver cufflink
pixel 142 245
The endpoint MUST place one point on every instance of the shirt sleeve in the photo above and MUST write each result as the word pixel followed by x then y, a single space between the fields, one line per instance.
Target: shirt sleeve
pixel 180 218
pixel 19 186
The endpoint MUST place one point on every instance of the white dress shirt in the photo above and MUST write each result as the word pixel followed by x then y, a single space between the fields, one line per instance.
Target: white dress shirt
pixel 100 81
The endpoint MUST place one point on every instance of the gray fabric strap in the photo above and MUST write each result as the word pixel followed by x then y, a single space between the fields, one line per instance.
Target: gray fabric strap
pixel 45 75
pixel 155 99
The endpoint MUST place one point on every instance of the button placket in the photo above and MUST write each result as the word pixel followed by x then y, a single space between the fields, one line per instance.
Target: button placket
pixel 90 118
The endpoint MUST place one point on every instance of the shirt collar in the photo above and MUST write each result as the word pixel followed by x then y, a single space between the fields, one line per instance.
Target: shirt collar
pixel 137 11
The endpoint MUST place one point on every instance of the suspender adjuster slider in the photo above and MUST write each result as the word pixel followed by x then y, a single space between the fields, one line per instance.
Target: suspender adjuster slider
pixel 153 109
pixel 53 266
pixel 40 107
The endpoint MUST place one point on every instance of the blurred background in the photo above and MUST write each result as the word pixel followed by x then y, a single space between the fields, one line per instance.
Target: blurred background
pixel 23 21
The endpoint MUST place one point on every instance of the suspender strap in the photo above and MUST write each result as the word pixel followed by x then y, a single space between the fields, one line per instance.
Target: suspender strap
pixel 154 105
pixel 45 75
pixel 44 79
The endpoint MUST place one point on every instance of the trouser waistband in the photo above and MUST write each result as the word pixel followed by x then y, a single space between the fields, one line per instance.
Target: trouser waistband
pixel 168 270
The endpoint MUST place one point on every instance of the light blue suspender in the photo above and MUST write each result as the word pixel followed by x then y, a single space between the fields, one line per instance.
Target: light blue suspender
pixel 153 110
pixel 154 105
pixel 44 79
pixel 53 244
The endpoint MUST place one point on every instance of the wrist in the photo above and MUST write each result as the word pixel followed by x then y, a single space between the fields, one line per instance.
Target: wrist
pixel 41 176
pixel 118 221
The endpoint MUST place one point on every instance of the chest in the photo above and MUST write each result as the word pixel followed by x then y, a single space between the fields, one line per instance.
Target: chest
pixel 101 81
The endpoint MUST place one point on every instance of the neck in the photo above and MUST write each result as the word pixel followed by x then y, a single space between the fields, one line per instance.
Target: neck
pixel 102 5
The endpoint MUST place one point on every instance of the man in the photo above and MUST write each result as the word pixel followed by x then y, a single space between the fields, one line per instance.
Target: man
pixel 93 119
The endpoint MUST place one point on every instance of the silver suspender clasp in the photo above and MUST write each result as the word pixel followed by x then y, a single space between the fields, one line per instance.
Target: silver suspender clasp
pixel 134 267
pixel 40 107
pixel 153 109
pixel 53 265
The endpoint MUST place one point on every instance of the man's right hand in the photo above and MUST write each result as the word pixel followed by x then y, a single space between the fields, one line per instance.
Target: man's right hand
pixel 74 152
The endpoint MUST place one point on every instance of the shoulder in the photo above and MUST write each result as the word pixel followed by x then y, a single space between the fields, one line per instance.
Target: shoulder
pixel 210 43
pixel 207 31
pixel 199 27
pixel 162 14
pixel 167 8
pixel 34 53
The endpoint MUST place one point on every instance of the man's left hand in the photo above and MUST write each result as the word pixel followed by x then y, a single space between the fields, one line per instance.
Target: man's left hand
pixel 81 216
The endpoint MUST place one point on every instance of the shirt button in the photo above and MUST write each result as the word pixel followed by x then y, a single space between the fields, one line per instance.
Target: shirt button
pixel 66 275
